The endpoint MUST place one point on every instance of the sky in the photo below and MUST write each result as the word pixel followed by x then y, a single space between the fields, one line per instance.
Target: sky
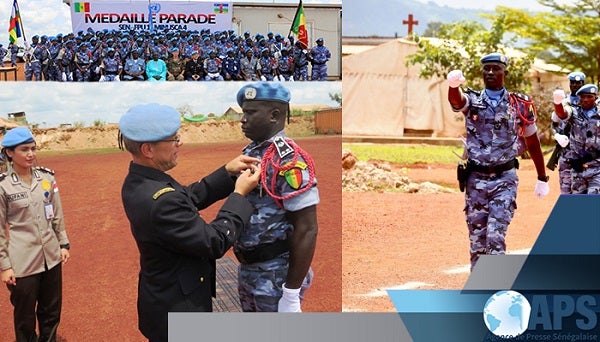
pixel 532 5
pixel 51 17
pixel 88 102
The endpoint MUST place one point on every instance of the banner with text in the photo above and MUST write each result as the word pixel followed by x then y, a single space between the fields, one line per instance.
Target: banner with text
pixel 151 16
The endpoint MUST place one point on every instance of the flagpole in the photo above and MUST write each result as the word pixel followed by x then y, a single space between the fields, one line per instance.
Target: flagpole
pixel 295 17
pixel 20 22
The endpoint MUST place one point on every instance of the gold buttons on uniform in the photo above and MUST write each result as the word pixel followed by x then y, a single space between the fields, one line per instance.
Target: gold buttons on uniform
pixel 201 279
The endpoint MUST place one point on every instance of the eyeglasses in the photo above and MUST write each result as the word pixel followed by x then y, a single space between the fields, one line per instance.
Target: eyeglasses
pixel 176 140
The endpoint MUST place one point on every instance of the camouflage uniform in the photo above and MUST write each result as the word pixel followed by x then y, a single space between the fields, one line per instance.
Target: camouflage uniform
pixel 260 283
pixel 584 142
pixel 564 169
pixel 492 141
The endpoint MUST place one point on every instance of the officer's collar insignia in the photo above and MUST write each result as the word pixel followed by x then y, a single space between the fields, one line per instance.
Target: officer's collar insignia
pixel 14 177
pixel 161 192
pixel 283 148
pixel 250 93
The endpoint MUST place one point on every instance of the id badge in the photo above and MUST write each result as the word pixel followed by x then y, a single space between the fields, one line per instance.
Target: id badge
pixel 49 209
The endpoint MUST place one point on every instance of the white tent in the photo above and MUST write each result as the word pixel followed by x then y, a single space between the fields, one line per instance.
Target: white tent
pixel 384 97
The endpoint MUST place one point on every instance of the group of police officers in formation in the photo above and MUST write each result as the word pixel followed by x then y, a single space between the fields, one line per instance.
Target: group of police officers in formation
pixel 111 55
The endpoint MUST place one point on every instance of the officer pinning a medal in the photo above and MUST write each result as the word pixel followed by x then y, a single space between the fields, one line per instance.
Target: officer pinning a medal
pixel 276 249
pixel 35 245
pixel 177 247
pixel 496 120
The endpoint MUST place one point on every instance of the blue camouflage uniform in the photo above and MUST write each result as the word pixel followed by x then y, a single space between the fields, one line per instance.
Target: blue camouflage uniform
pixel 300 62
pixel 14 50
pixel 493 128
pixel 212 66
pixel 232 68
pixel 134 66
pixel 3 53
pixel 260 282
pixel 112 67
pixel 33 65
pixel 263 248
pixel 319 55
pixel 53 69
pixel 284 66
pixel 583 154
pixel 83 63
pixel 265 65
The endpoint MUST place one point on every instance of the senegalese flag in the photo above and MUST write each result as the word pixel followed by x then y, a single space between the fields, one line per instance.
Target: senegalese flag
pixel 79 7
pixel 15 25
pixel 221 8
pixel 299 26
pixel 293 176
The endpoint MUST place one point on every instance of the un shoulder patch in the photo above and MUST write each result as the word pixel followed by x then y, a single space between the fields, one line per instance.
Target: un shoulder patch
pixel 161 192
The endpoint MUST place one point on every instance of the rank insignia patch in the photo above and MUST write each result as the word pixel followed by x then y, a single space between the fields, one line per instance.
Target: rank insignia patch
pixel 161 192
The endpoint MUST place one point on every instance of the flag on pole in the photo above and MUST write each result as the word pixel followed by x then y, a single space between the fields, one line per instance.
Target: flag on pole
pixel 299 26
pixel 15 26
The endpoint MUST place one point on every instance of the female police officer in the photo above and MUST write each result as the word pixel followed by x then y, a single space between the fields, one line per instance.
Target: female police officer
pixel 30 261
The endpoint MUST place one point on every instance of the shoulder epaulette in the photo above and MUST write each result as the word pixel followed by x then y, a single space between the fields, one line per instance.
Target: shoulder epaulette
pixel 2 176
pixel 282 146
pixel 473 92
pixel 522 97
pixel 162 191
pixel 45 169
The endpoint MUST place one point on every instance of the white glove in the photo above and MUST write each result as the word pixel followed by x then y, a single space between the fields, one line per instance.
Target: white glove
pixel 561 139
pixel 558 96
pixel 290 300
pixel 455 78
pixel 555 118
pixel 117 78
pixel 26 44
pixel 102 79
pixel 64 77
pixel 263 78
pixel 541 189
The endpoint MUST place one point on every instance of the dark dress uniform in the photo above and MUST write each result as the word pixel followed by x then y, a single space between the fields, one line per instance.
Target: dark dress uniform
pixel 177 247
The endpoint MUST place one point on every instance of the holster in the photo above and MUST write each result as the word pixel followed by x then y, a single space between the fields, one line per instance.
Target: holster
pixel 461 175
pixel 553 160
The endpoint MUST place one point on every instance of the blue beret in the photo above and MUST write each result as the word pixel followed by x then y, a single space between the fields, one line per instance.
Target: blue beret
pixel 576 76
pixel 174 49
pixel 319 40
pixel 35 37
pixel 263 91
pixel 149 122
pixel 588 89
pixel 194 52
pixel 494 58
pixel 17 136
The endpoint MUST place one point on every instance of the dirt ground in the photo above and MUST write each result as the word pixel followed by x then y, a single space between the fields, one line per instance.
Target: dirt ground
pixel 420 241
pixel 100 280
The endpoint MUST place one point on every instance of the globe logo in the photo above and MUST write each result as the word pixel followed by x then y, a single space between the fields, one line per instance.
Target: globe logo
pixel 506 314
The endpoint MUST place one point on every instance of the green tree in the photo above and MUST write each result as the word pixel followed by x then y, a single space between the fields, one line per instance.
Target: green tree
pixel 461 45
pixel 337 97
pixel 568 36
pixel 433 29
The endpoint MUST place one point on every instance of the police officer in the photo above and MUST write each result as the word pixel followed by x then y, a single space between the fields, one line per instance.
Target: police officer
pixel 111 67
pixel 31 260
pixel 249 66
pixel 300 55
pixel 213 66
pixel 318 56
pixel 493 127
pixel 562 130
pixel 134 67
pixel 3 53
pixel 83 62
pixel 285 66
pixel 276 250
pixel 583 154
pixel 266 66
pixel 177 247
pixel 32 55
pixel 65 61
pixel 14 50
pixel 194 68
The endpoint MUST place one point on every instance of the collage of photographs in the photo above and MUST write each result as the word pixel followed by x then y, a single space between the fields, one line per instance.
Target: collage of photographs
pixel 194 144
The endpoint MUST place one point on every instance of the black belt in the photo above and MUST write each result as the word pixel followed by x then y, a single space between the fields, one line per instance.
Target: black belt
pixel 582 163
pixel 261 252
pixel 495 169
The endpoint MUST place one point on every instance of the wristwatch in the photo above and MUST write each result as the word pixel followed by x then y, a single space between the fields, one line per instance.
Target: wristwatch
pixel 65 246
pixel 543 178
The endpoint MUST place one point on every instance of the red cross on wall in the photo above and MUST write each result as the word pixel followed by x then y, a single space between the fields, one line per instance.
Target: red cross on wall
pixel 410 22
